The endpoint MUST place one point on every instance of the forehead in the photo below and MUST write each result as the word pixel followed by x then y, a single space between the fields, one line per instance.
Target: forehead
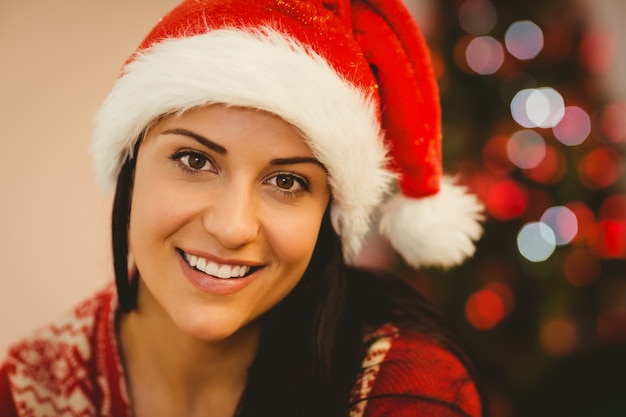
pixel 220 123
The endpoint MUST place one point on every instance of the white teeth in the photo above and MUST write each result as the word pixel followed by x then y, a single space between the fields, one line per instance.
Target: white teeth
pixel 224 271
pixel 235 271
pixel 201 265
pixel 212 268
pixel 217 270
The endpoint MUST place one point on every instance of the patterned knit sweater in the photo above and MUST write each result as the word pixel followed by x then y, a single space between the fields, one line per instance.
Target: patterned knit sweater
pixel 72 368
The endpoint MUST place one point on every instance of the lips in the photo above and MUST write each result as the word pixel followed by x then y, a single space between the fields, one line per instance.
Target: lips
pixel 217 270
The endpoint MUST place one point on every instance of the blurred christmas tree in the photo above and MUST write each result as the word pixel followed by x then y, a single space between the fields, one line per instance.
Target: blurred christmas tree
pixel 530 127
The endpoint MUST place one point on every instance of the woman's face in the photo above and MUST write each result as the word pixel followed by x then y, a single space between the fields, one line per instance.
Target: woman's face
pixel 226 208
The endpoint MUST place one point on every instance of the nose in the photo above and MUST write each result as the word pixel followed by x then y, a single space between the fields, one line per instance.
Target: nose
pixel 232 216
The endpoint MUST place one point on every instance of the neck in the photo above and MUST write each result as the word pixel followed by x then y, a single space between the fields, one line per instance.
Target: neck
pixel 180 370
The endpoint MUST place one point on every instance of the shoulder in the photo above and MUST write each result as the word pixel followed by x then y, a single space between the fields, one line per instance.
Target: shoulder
pixel 51 370
pixel 406 373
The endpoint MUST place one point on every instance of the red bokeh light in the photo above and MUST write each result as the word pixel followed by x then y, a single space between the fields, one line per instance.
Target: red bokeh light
pixel 612 121
pixel 495 157
pixel 613 208
pixel 586 220
pixel 505 293
pixel 558 337
pixel 597 51
pixel 550 170
pixel 484 309
pixel 611 324
pixel 600 168
pixel 580 267
pixel 608 239
pixel 506 200
pixel 459 53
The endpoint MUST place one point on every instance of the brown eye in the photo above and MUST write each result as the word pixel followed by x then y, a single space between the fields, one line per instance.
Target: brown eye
pixel 285 182
pixel 196 161
pixel 291 185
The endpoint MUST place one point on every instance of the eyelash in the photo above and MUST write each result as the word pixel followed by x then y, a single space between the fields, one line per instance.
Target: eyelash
pixel 180 155
pixel 302 182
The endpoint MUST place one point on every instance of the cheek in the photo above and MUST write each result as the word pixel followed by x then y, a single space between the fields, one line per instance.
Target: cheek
pixel 293 238
pixel 157 209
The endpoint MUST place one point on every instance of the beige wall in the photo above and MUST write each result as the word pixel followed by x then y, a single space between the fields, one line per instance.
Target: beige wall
pixel 57 61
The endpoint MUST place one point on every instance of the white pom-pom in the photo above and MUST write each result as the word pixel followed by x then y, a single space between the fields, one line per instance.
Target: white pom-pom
pixel 438 230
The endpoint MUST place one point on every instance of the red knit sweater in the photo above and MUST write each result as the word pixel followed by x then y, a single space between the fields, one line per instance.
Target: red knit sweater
pixel 72 368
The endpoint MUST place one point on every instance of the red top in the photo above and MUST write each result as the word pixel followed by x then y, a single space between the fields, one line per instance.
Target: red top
pixel 72 368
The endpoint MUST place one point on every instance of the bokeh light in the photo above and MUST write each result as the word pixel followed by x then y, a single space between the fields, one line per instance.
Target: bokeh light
pixel 584 218
pixel 505 293
pixel 597 51
pixel 580 267
pixel 563 223
pixel 611 324
pixel 459 51
pixel 484 55
pixel 613 207
pixel 608 239
pixel 506 200
pixel 538 107
pixel 477 17
pixel 495 155
pixel 558 337
pixel 551 169
pixel 545 107
pixel 518 107
pixel 524 39
pixel 536 241
pixel 526 148
pixel 611 298
pixel 484 309
pixel 600 168
pixel 574 127
pixel 612 121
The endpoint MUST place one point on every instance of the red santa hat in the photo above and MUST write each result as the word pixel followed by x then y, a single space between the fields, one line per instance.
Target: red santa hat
pixel 355 77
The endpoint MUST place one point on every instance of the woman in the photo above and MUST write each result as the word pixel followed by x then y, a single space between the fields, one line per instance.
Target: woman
pixel 250 143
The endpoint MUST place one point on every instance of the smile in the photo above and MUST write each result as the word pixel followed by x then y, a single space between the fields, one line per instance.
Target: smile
pixel 223 271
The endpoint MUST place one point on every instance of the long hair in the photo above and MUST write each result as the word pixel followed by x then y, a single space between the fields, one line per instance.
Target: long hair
pixel 309 355
pixel 302 336
pixel 311 345
pixel 127 284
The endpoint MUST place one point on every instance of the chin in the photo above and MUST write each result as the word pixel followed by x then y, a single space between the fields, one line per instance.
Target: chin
pixel 213 331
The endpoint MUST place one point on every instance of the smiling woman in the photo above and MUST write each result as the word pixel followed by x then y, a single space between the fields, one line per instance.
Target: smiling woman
pixel 249 154
pixel 226 215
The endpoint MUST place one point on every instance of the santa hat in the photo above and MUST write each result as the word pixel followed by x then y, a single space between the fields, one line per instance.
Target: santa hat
pixel 354 77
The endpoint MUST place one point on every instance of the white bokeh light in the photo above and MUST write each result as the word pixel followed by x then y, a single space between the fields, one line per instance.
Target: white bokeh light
pixel 563 223
pixel 538 107
pixel 524 39
pixel 536 241
pixel 518 108
pixel 545 107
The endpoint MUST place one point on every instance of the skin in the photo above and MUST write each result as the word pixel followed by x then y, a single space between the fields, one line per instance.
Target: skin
pixel 236 186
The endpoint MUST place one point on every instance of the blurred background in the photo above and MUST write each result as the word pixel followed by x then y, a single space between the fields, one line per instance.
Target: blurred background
pixel 534 120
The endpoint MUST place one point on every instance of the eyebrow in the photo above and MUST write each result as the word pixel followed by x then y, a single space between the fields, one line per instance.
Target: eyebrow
pixel 200 139
pixel 298 160
pixel 222 151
